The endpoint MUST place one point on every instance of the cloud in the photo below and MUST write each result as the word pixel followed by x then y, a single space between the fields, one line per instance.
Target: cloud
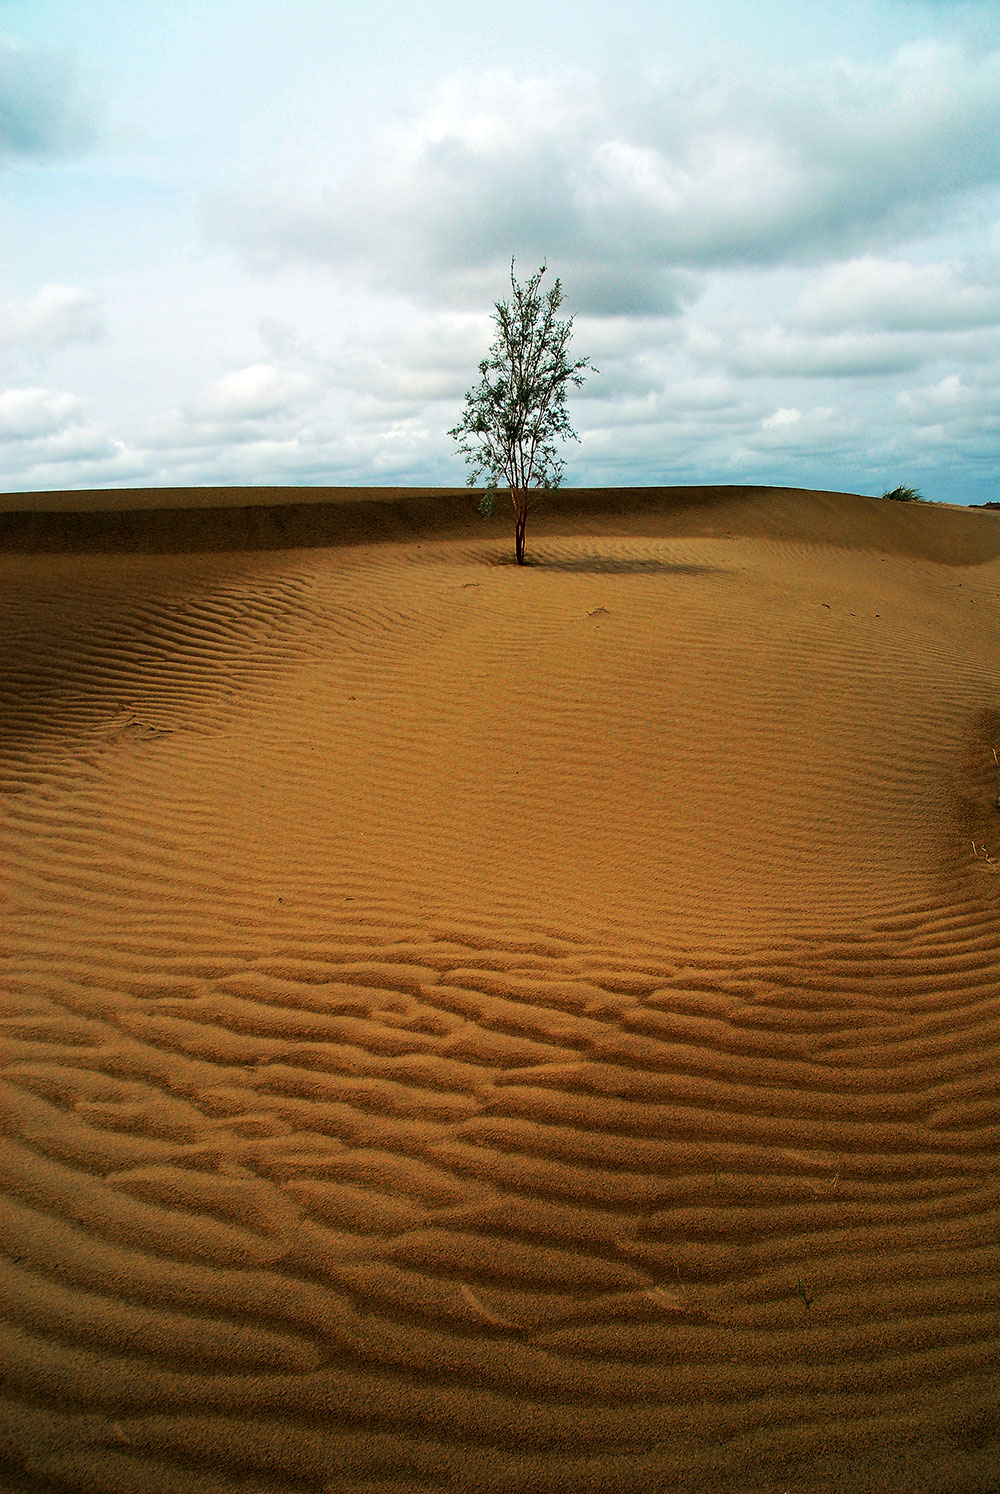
pixel 47 109
pixel 792 428
pixel 256 392
pixel 778 352
pixel 47 441
pixel 28 413
pixel 260 403
pixel 896 295
pixel 87 458
pixel 949 397
pixel 964 406
pixel 52 317
pixel 635 188
pixel 953 425
pixel 394 369
pixel 805 435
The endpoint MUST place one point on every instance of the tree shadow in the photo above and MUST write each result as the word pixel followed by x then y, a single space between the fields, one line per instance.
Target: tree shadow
pixel 620 565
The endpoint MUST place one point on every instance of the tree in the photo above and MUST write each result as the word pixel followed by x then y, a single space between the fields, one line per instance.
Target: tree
pixel 514 414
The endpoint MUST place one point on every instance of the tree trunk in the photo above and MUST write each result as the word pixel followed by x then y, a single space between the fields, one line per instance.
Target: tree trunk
pixel 521 506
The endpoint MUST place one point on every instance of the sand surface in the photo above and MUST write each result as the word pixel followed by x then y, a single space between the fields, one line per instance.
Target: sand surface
pixel 479 1028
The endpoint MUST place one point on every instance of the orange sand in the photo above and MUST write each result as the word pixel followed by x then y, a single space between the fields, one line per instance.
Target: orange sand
pixel 487 1028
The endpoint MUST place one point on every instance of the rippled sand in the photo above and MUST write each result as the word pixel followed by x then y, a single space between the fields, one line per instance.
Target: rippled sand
pixel 490 1028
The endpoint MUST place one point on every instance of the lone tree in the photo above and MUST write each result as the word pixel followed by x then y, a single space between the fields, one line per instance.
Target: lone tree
pixel 518 408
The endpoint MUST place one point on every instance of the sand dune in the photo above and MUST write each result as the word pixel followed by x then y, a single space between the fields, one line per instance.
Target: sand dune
pixel 492 1028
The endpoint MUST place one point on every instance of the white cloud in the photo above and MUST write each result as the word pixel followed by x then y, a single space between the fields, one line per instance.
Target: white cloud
pixel 778 352
pixel 780 418
pixel 715 392
pixel 49 442
pixel 28 413
pixel 626 186
pixel 897 295
pixel 807 436
pixel 47 109
pixel 792 429
pixel 54 316
pixel 86 458
pixel 252 393
pixel 779 270
pixel 259 407
pixel 398 365
pixel 955 423
pixel 946 397
pixel 964 407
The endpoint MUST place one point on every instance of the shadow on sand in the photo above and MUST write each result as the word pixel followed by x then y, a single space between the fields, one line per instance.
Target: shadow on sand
pixel 619 565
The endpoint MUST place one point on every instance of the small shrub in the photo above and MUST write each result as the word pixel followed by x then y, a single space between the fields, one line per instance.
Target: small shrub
pixel 514 414
pixel 904 495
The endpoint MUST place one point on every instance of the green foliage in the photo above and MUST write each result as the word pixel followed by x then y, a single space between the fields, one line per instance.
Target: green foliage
pixel 904 495
pixel 517 411
pixel 488 502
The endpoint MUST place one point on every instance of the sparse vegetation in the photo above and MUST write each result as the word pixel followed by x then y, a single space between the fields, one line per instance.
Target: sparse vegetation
pixel 904 494
pixel 518 408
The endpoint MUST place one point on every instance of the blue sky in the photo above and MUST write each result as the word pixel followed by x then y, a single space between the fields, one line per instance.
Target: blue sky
pixel 254 242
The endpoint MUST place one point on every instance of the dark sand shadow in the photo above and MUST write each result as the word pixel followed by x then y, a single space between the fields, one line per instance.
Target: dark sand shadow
pixel 617 565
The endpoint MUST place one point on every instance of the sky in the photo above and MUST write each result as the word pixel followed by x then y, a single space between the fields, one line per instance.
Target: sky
pixel 245 242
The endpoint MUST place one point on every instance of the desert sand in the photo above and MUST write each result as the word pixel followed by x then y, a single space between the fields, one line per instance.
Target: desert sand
pixel 487 1028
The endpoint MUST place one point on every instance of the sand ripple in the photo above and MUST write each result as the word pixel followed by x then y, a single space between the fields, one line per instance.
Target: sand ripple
pixel 476 1028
